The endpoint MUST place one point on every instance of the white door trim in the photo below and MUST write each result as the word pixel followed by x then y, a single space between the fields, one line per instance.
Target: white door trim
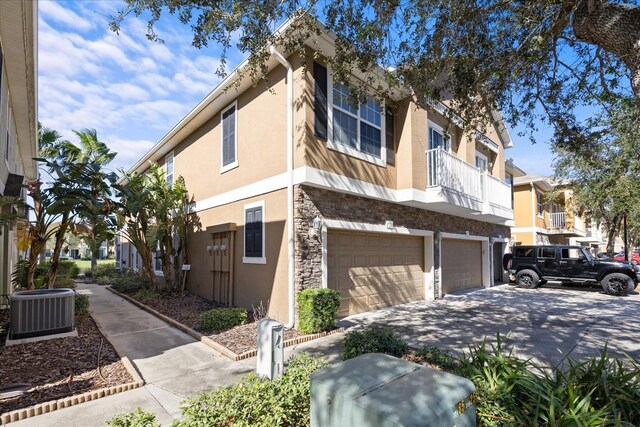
pixel 429 271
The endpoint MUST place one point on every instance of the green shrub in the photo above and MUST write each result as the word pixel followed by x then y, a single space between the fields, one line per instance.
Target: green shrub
pixel 105 280
pixel 82 304
pixel 137 418
pixel 437 357
pixel 373 340
pixel 220 319
pixel 88 274
pixel 68 269
pixel 145 295
pixel 130 283
pixel 64 282
pixel 318 309
pixel 103 270
pixel 256 401
pixel 599 391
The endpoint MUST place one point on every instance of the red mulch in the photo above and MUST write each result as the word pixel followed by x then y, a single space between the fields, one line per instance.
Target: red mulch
pixel 60 367
pixel 186 308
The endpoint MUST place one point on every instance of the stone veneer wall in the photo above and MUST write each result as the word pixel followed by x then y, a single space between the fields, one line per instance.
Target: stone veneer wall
pixel 311 202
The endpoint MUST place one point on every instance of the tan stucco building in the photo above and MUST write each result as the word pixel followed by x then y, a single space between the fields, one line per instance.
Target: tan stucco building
pixel 314 192
pixel 18 127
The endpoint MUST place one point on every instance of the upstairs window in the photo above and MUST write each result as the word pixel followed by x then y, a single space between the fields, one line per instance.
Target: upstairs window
pixel 482 162
pixel 540 203
pixel 229 140
pixel 168 168
pixel 357 129
pixel 438 139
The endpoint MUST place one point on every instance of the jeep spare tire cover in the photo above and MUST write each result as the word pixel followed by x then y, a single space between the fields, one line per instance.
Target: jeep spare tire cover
pixel 506 259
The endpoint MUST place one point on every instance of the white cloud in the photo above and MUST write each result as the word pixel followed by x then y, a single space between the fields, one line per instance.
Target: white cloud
pixel 131 90
pixel 56 12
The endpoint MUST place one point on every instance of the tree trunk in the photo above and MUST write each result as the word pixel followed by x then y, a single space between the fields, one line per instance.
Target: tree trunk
pixel 31 270
pixel 147 266
pixel 615 28
pixel 55 256
pixel 612 232
pixel 95 249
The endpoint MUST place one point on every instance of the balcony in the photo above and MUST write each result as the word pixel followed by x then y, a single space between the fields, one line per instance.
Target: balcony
pixel 457 187
pixel 559 223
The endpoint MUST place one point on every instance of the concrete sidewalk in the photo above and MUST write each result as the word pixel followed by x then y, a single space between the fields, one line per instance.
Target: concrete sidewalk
pixel 173 364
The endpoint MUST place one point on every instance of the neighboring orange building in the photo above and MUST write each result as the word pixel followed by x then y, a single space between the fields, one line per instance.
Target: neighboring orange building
pixel 385 208
pixel 542 219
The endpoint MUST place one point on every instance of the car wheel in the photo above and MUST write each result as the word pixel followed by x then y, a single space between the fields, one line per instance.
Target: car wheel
pixel 617 284
pixel 527 279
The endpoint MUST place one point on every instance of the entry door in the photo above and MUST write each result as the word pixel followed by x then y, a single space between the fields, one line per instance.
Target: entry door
pixel 497 263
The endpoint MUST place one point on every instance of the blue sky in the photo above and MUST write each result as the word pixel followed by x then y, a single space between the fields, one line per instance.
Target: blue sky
pixel 133 91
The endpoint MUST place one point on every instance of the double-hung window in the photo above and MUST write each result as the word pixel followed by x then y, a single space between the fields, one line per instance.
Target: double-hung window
pixel 540 203
pixel 254 237
pixel 438 138
pixel 229 138
pixel 357 130
pixel 168 168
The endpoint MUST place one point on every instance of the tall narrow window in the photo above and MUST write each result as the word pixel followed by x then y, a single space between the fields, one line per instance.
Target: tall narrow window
pixel 168 166
pixel 254 234
pixel 229 139
pixel 439 139
pixel 482 162
pixel 157 266
pixel 540 203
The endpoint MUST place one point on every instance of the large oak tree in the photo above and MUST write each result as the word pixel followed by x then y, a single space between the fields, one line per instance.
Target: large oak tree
pixel 531 59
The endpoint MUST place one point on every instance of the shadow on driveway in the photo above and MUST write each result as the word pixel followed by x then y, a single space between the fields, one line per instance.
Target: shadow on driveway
pixel 544 324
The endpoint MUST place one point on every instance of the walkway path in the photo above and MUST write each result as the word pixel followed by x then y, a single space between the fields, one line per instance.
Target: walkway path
pixel 172 363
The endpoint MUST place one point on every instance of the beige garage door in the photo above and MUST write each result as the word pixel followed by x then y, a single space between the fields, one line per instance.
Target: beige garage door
pixel 461 264
pixel 374 270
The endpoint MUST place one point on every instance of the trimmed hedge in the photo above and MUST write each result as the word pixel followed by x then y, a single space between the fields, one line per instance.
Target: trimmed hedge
pixel 138 418
pixel 82 304
pixel 220 319
pixel 64 282
pixel 318 309
pixel 374 340
pixel 68 269
pixel 256 401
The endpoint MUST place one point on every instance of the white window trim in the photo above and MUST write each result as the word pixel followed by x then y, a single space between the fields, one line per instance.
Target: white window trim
pixel 350 151
pixel 440 130
pixel 171 156
pixel 263 258
pixel 540 215
pixel 234 164
pixel 483 157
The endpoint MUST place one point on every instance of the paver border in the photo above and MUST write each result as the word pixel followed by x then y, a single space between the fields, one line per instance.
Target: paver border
pixel 66 402
pixel 222 350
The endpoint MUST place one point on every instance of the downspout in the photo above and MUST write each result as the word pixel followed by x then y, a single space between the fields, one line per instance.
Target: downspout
pixel 291 249
pixel 534 210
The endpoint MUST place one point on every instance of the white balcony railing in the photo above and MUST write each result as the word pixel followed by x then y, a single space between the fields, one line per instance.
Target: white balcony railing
pixel 498 193
pixel 557 220
pixel 448 171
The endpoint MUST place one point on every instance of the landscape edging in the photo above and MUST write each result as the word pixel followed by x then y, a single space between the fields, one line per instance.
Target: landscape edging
pixel 211 343
pixel 66 402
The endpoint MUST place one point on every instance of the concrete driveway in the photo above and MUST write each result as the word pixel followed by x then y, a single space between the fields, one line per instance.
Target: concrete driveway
pixel 544 324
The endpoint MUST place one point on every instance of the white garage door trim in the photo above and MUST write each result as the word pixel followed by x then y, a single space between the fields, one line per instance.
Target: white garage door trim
pixel 429 271
pixel 505 250
pixel 486 271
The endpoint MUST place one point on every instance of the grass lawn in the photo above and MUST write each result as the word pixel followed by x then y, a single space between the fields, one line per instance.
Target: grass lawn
pixel 86 265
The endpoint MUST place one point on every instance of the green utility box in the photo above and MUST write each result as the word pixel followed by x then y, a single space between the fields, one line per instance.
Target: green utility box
pixel 380 390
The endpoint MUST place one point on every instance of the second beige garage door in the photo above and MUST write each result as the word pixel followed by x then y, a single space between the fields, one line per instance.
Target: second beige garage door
pixel 374 270
pixel 461 264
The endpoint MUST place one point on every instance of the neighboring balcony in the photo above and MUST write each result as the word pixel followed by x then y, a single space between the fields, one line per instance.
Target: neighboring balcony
pixel 457 187
pixel 561 223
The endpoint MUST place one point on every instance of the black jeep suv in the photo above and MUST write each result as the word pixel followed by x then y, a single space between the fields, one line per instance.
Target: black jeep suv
pixel 531 266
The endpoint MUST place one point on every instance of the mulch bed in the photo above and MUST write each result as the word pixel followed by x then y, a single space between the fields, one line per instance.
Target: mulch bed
pixel 186 309
pixel 59 367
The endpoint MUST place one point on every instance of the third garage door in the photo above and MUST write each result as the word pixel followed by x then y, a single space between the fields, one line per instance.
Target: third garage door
pixel 374 270
pixel 461 264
